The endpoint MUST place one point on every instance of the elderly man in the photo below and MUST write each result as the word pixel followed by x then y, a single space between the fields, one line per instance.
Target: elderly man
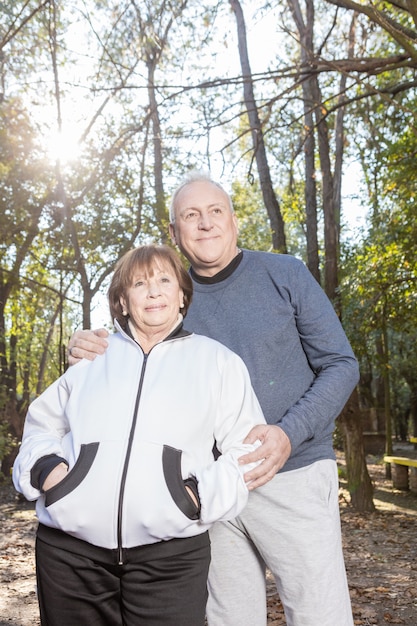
pixel 271 311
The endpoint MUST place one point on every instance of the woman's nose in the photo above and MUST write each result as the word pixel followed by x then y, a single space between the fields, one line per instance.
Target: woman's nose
pixel 153 289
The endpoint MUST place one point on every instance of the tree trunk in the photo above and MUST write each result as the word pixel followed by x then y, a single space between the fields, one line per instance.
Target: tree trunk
pixel 161 212
pixel 413 408
pixel 331 247
pixel 360 486
pixel 412 385
pixel 9 413
pixel 387 393
pixel 306 33
pixel 359 482
pixel 310 194
pixel 268 193
pixel 15 422
pixel 45 352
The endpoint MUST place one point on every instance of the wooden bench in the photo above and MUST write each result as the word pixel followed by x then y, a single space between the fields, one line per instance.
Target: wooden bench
pixel 401 477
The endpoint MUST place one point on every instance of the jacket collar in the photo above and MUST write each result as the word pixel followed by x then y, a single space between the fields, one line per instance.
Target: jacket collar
pixel 177 332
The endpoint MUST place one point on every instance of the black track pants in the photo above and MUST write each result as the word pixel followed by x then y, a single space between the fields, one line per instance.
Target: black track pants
pixel 161 584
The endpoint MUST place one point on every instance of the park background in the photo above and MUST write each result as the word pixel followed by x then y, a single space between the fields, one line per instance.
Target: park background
pixel 306 111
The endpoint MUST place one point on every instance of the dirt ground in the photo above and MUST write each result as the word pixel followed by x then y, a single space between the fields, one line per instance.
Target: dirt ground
pixel 380 553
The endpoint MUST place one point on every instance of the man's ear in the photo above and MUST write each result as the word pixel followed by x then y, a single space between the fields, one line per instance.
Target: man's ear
pixel 236 223
pixel 172 234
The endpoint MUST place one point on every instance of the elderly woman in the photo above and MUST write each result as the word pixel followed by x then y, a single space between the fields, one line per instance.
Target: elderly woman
pixel 118 454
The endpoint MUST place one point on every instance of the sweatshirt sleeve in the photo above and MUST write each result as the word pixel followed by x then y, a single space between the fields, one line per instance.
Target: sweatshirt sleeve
pixel 45 427
pixel 222 489
pixel 331 359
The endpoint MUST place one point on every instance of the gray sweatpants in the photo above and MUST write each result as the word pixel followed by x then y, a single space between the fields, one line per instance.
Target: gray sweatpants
pixel 292 526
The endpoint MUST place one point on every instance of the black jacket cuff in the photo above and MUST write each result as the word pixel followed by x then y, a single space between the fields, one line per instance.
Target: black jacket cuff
pixel 42 468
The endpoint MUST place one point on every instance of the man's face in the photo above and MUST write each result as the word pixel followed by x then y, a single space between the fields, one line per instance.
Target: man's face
pixel 205 229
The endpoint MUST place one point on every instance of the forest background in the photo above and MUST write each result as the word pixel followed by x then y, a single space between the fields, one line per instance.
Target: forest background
pixel 306 111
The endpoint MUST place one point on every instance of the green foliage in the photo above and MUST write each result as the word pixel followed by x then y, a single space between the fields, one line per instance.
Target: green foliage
pixel 64 222
pixel 7 444
pixel 380 273
pixel 293 213
pixel 254 231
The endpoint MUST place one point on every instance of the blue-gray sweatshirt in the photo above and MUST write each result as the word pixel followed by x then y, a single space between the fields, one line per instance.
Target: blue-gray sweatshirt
pixel 272 312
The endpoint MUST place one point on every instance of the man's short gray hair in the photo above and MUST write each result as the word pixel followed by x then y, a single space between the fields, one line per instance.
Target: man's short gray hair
pixel 195 176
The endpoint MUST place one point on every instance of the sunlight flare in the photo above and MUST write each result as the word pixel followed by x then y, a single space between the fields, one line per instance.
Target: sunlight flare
pixel 64 145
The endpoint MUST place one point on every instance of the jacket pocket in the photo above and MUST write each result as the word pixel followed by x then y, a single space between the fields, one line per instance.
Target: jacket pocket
pixel 73 479
pixel 171 462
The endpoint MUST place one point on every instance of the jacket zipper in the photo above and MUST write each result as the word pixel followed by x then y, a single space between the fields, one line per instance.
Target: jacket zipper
pixel 126 463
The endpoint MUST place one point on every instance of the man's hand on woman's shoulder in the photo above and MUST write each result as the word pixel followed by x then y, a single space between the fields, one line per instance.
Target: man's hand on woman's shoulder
pixel 87 344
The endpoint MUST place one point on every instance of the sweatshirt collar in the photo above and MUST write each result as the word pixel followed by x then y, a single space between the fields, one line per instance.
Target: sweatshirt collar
pixel 222 275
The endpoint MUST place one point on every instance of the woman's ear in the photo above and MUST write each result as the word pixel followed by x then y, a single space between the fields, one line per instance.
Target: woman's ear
pixel 124 307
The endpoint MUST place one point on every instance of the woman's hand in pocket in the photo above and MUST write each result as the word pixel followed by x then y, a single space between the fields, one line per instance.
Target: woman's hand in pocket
pixel 58 473
pixel 192 496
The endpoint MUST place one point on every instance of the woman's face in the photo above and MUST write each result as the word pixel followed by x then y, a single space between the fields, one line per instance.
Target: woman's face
pixel 153 300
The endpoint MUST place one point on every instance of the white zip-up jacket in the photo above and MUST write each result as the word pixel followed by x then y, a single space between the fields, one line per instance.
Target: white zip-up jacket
pixel 133 428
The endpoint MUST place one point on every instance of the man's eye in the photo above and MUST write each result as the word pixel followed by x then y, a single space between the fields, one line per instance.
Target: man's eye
pixel 190 216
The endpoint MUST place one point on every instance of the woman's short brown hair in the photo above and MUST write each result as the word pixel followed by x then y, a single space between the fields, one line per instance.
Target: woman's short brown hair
pixel 144 258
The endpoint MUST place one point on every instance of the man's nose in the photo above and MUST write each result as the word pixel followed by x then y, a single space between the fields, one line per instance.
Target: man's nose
pixel 205 222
